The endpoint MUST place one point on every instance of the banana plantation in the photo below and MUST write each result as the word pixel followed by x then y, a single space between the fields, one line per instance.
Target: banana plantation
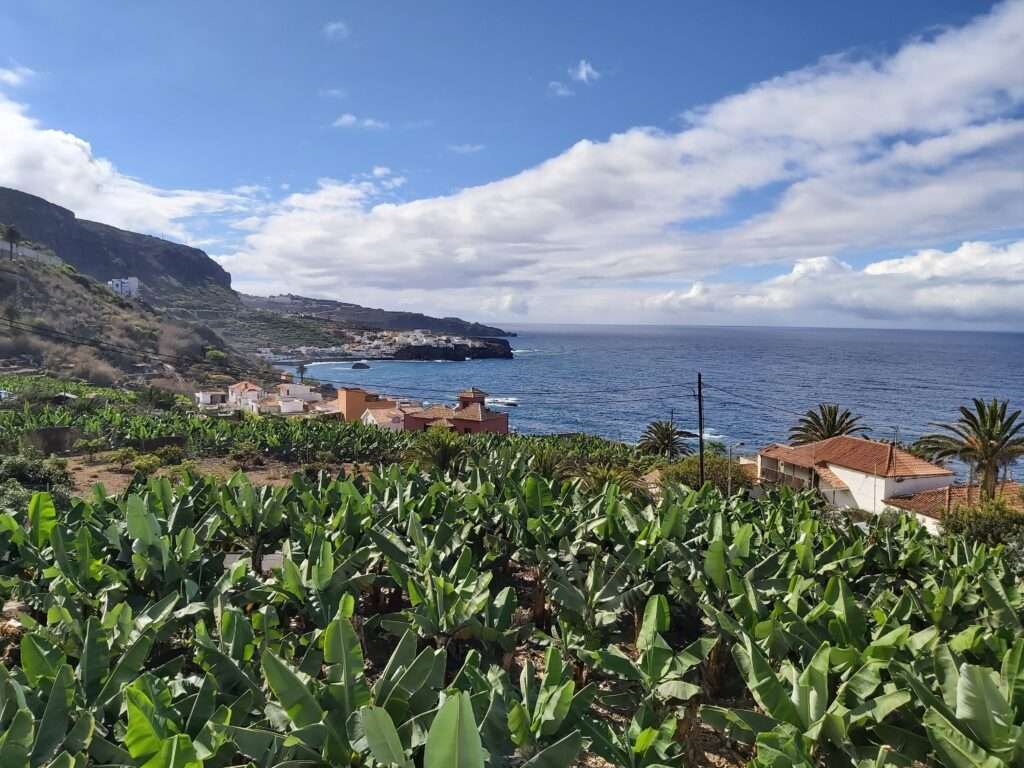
pixel 490 615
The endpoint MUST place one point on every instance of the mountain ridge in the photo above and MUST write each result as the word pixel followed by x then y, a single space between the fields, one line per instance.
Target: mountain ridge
pixel 172 273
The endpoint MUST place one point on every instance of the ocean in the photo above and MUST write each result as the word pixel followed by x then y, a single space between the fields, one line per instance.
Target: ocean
pixel 613 380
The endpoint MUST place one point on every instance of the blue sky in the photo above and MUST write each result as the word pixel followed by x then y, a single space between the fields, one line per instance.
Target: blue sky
pixel 429 156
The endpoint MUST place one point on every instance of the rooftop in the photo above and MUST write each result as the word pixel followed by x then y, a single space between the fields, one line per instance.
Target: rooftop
pixel 858 453
pixel 935 502
pixel 472 412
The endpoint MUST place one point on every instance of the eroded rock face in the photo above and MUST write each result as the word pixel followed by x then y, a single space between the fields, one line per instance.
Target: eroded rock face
pixel 104 252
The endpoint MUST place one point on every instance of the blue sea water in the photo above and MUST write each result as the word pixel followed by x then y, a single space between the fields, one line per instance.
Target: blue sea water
pixel 613 380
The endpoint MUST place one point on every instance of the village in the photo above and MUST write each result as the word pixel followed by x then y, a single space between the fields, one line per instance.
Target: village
pixel 387 345
pixel 470 414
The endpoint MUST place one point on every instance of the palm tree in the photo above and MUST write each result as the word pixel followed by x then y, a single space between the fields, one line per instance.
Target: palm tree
pixel 825 422
pixel 987 438
pixel 664 438
pixel 439 448
pixel 12 236
pixel 301 370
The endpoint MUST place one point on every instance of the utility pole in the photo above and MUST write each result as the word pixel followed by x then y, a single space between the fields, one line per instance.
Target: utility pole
pixel 700 424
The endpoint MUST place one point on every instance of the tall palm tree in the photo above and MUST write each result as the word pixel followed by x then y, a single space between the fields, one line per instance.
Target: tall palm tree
pixel 824 422
pixel 664 438
pixel 987 437
pixel 12 236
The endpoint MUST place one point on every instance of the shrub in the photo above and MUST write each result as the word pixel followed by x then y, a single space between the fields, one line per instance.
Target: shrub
pixel 170 454
pixel 716 472
pixel 246 455
pixel 90 446
pixel 147 464
pixel 122 457
pixel 989 522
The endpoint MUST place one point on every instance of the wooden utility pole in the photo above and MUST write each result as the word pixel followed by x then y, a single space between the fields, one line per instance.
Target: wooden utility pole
pixel 700 425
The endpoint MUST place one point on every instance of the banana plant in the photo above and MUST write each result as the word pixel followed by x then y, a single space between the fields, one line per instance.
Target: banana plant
pixel 542 721
pixel 645 742
pixel 801 719
pixel 976 717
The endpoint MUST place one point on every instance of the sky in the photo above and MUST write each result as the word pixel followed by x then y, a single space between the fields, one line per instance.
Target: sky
pixel 782 163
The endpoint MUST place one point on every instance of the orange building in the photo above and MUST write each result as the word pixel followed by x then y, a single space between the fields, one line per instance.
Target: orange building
pixel 353 402
pixel 470 415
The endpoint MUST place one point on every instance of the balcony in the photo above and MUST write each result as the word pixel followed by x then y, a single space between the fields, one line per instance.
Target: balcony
pixel 774 477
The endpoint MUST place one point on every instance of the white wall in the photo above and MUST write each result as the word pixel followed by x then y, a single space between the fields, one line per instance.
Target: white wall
pixel 866 491
pixel 915 484
pixel 291 405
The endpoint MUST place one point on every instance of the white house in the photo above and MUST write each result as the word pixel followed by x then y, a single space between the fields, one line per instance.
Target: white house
pixel 211 397
pixel 302 392
pixel 245 392
pixel 850 471
pixel 272 404
pixel 127 287
pixel 385 418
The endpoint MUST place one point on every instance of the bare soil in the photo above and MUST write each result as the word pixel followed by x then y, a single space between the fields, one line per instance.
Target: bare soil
pixel 85 475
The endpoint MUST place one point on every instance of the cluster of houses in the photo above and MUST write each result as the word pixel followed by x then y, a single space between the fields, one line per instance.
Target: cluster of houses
pixel 874 476
pixel 371 345
pixel 469 415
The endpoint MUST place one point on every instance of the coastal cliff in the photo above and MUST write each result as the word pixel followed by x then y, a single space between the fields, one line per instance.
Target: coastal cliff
pixel 488 349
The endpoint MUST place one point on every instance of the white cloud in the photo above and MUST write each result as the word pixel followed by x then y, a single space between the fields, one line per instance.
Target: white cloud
pixel 348 120
pixel 809 171
pixel 976 282
pixel 505 304
pixel 584 72
pixel 334 93
pixel 15 76
pixel 336 30
pixel 62 168
pixel 466 149
pixel 558 88
pixel 381 170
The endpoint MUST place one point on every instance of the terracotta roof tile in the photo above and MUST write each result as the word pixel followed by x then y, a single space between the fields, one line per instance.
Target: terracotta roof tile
pixel 933 503
pixel 830 477
pixel 868 456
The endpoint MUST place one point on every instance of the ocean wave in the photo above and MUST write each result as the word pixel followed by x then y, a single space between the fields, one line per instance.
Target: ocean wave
pixel 503 401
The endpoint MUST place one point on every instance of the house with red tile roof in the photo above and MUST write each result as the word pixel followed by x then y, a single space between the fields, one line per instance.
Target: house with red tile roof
pixel 850 471
pixel 469 416
pixel 930 506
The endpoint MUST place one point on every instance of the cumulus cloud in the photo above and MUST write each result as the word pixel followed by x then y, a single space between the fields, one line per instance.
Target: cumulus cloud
pixel 336 30
pixel 62 168
pixel 975 282
pixel 584 72
pixel 348 120
pixel 15 76
pixel 847 155
pixel 811 171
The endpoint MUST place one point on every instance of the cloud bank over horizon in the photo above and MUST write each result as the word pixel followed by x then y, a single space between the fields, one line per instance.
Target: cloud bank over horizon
pixel 858 190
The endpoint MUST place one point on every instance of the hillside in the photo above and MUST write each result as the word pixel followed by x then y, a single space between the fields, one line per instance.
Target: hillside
pixel 187 285
pixel 113 338
pixel 105 252
pixel 356 316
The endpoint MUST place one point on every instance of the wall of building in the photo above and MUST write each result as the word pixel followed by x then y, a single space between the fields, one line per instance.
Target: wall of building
pixel 866 491
pixel 498 426
pixel 896 486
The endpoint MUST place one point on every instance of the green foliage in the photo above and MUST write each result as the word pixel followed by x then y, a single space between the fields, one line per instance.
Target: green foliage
pixel 665 439
pixel 123 457
pixel 988 437
pixel 146 464
pixel 826 421
pixel 496 613
pixel 722 473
